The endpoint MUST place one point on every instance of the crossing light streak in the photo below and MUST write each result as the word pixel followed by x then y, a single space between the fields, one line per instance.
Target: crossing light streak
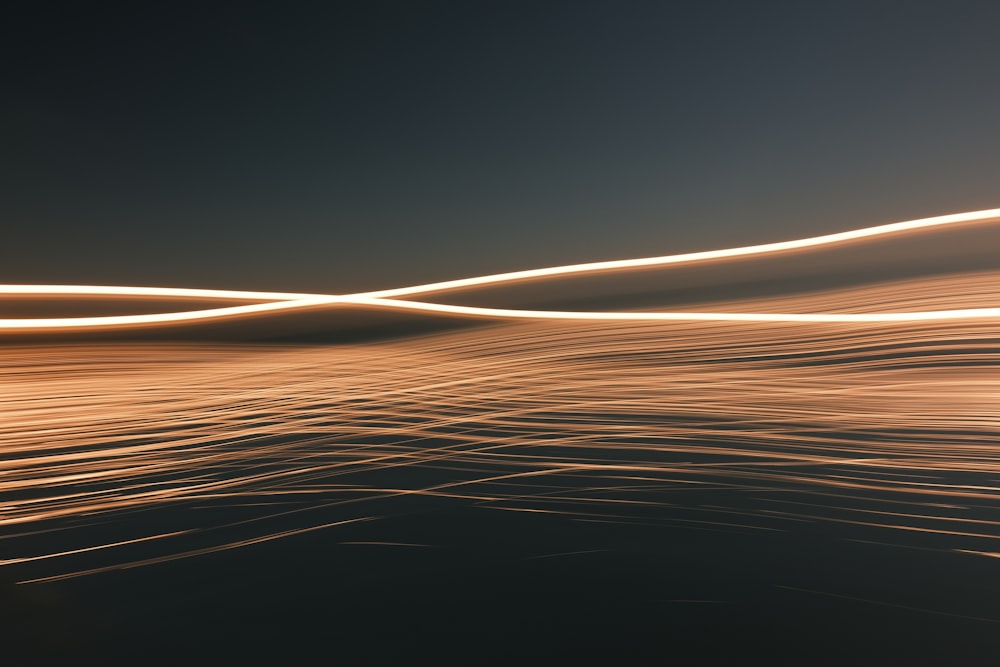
pixel 283 301
pixel 758 416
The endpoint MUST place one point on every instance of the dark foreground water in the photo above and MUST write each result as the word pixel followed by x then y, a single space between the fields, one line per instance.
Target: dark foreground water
pixel 522 495
pixel 495 588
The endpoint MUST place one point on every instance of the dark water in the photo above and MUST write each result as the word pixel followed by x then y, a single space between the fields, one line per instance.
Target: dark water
pixel 495 587
pixel 681 501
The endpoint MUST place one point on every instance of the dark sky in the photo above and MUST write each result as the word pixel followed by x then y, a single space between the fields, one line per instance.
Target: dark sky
pixel 339 146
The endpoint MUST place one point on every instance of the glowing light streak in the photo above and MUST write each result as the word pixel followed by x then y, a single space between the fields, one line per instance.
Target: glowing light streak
pixel 887 430
pixel 603 417
pixel 282 301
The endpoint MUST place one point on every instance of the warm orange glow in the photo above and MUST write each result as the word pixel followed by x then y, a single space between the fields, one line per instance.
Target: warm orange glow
pixel 759 415
pixel 281 301
pixel 886 432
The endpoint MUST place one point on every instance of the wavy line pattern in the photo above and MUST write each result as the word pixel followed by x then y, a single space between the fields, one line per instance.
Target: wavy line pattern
pixel 278 301
pixel 869 432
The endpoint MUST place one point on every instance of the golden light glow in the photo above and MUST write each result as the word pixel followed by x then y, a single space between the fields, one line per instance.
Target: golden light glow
pixel 758 415
pixel 883 433
pixel 281 301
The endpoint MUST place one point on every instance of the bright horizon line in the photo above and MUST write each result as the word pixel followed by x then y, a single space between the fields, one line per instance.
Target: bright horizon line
pixel 385 298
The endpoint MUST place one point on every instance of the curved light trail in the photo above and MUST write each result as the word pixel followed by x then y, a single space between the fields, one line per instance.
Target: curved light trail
pixel 284 301
pixel 131 455
pixel 882 434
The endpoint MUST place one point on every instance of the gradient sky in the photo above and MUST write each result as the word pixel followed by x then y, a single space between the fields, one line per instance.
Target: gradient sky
pixel 340 146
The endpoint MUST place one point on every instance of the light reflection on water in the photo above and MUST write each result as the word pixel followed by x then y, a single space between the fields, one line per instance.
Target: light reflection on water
pixel 120 455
